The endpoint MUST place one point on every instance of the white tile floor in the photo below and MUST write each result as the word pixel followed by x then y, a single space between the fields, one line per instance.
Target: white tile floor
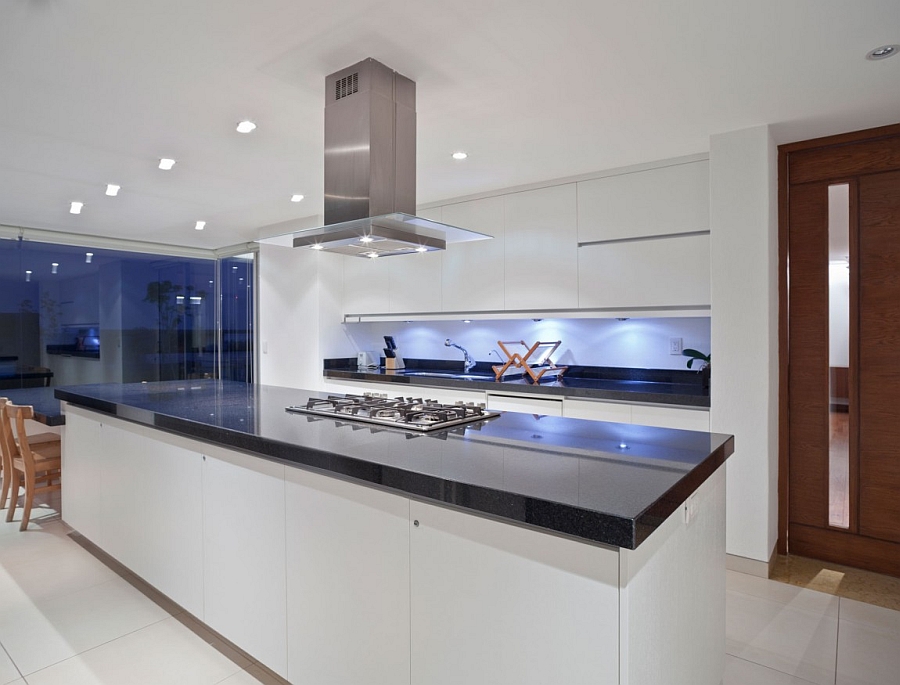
pixel 68 619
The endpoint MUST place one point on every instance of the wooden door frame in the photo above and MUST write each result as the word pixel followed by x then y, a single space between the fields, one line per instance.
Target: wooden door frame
pixel 850 166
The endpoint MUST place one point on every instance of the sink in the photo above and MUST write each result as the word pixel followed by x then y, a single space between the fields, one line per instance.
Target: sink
pixel 457 376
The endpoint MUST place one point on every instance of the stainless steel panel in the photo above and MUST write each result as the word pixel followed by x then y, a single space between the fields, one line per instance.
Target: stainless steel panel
pixel 347 159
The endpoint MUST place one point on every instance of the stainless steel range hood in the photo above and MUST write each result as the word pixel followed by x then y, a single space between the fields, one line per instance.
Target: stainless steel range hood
pixel 370 169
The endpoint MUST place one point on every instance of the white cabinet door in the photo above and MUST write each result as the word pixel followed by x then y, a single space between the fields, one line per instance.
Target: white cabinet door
pixel 244 586
pixel 494 603
pixel 367 285
pixel 473 272
pixel 152 514
pixel 347 582
pixel 597 411
pixel 671 417
pixel 81 475
pixel 415 282
pixel 526 405
pixel 442 394
pixel 672 199
pixel 645 273
pixel 542 249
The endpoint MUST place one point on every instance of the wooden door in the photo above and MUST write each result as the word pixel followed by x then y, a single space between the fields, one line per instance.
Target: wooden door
pixel 864 418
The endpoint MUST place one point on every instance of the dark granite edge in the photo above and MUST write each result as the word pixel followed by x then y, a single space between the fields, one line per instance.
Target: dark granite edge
pixel 373 376
pixel 569 520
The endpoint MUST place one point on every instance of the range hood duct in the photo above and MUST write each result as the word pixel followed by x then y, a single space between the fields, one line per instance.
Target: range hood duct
pixel 370 169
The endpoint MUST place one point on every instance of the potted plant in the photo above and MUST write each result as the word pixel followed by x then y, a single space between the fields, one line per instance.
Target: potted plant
pixel 704 366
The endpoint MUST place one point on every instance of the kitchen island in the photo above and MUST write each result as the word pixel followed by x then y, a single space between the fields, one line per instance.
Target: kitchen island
pixel 515 549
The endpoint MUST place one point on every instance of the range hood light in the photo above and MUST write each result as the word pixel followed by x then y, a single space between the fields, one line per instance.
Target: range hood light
pixel 372 255
pixel 366 239
pixel 317 246
pixel 421 248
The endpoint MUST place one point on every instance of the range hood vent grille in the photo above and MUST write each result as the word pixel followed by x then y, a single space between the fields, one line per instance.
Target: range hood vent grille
pixel 346 86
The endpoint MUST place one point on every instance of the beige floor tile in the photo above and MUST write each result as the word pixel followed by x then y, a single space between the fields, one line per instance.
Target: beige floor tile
pixel 42 576
pixel 42 633
pixel 867 655
pixel 740 672
pixel 165 653
pixel 253 675
pixel 213 640
pixel 798 638
pixel 8 671
pixel 774 591
pixel 871 616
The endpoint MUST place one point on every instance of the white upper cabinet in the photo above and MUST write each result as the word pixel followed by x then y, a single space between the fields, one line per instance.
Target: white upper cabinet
pixel 665 272
pixel 367 285
pixel 672 199
pixel 542 249
pixel 473 273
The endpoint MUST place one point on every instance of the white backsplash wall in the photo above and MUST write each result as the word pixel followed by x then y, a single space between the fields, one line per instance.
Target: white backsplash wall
pixel 636 343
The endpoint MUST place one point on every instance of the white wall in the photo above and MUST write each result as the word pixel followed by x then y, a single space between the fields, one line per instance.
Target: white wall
pixel 744 289
pixel 299 315
pixel 641 343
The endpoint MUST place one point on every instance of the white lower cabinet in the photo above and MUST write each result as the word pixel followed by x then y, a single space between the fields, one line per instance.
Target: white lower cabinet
pixel 151 510
pixel 495 603
pixel 597 411
pixel 244 586
pixel 347 582
pixel 527 405
pixel 671 417
pixel 81 462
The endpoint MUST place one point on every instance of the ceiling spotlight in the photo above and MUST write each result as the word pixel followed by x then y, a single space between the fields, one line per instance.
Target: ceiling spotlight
pixel 88 256
pixel 53 267
pixel 200 225
pixel 75 207
pixel 317 246
pixel 460 155
pixel 112 190
pixel 883 52
pixel 246 127
pixel 27 276
pixel 165 163
pixel 296 198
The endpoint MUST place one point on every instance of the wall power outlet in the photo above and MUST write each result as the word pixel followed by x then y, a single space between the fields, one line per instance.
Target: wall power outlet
pixel 676 345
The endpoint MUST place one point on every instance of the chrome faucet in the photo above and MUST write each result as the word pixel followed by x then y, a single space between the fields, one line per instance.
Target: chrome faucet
pixel 469 363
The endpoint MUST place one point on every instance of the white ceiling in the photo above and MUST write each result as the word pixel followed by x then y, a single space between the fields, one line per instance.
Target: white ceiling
pixel 95 91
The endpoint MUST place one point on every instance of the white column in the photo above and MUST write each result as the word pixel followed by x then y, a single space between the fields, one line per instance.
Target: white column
pixel 744 335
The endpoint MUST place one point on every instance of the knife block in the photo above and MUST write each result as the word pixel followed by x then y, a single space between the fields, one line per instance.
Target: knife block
pixel 393 363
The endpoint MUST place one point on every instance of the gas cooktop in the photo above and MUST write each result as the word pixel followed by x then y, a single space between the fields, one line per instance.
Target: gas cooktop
pixel 402 412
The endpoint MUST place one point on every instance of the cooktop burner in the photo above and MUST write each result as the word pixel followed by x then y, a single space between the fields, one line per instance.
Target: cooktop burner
pixel 403 412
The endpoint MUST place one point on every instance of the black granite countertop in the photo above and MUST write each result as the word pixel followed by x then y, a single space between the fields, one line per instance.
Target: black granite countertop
pixel 601 482
pixel 654 386
pixel 46 406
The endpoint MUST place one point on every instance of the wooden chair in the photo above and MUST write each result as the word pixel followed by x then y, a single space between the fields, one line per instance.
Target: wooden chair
pixel 34 440
pixel 37 467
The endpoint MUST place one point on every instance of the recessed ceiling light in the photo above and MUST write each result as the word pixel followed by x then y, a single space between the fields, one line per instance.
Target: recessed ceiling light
pixel 296 198
pixel 200 225
pixel 245 127
pixel 165 163
pixel 460 155
pixel 883 52
pixel 53 267
pixel 75 207
pixel 112 190
pixel 317 246
pixel 88 256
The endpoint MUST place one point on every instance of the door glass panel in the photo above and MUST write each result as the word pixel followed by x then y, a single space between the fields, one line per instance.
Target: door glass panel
pixel 839 354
